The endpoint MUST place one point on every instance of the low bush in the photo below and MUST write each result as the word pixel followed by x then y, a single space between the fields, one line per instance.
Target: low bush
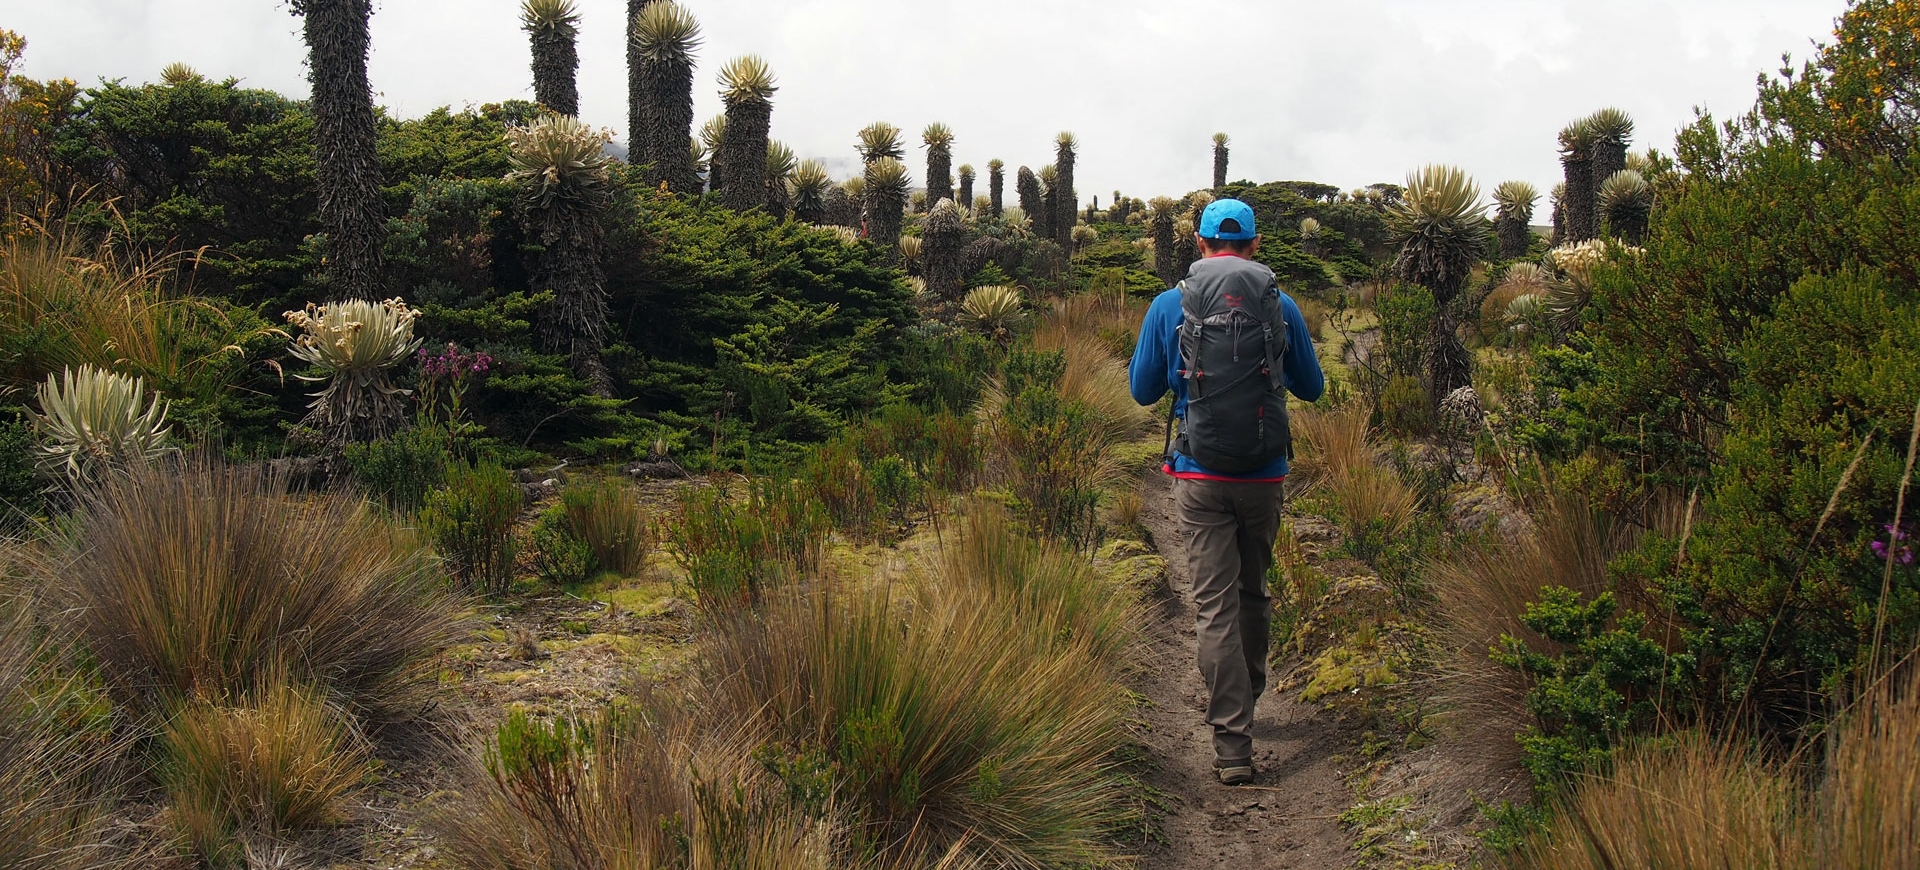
pixel 277 763
pixel 471 523
pixel 1603 682
pixel 1406 315
pixel 735 552
pixel 197 580
pixel 1055 448
pixel 401 469
pixel 559 556
pixel 598 525
pixel 1405 409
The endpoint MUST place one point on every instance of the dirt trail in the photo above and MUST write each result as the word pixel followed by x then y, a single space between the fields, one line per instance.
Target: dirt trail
pixel 1288 817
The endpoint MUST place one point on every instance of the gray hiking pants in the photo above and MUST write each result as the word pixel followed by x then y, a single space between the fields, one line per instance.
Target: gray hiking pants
pixel 1230 528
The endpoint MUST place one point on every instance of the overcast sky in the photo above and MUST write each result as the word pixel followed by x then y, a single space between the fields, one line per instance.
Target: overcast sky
pixel 1348 92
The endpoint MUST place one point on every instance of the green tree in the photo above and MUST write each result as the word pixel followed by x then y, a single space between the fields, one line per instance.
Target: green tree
pixel 664 38
pixel 346 164
pixel 781 164
pixel 553 26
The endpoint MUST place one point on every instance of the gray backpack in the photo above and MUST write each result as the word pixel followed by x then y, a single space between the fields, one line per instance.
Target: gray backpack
pixel 1232 350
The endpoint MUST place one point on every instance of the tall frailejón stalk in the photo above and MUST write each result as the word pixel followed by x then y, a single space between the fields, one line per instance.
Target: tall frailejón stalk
pixel 1049 178
pixel 1219 161
pixel 942 240
pixel 1512 222
pixel 553 26
pixel 1441 228
pixel 880 139
pixel 1067 203
pixel 781 164
pixel 663 40
pixel 561 174
pixel 809 192
pixel 887 184
pixel 1576 158
pixel 1626 199
pixel 1160 229
pixel 1032 200
pixel 939 141
pixel 997 185
pixel 747 87
pixel 713 134
pixel 965 196
pixel 637 99
pixel 1612 133
pixel 346 170
pixel 1559 201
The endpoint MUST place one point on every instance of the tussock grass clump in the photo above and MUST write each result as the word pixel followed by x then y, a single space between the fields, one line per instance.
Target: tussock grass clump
pixel 58 772
pixel 1700 803
pixel 274 764
pixel 1330 443
pixel 197 580
pixel 957 726
pixel 608 516
pixel 1053 590
pixel 622 790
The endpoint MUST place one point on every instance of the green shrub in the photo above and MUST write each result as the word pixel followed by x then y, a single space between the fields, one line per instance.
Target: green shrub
pixel 1405 409
pixel 1406 316
pixel 276 764
pixel 1603 682
pixel 21 491
pixel 401 469
pixel 735 552
pixel 559 556
pixel 1054 447
pixel 471 523
pixel 191 580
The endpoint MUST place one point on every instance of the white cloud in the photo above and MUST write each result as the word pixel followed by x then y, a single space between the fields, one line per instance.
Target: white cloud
pixel 1346 93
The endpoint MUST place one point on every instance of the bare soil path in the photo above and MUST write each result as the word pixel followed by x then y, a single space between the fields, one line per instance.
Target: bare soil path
pixel 1289 817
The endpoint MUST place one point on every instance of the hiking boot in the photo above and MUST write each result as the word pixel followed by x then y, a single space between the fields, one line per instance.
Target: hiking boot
pixel 1234 772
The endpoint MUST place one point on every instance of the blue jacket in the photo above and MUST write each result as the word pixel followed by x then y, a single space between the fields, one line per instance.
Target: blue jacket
pixel 1155 369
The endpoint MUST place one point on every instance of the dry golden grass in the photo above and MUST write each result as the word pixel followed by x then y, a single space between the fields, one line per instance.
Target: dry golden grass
pixel 57 756
pixel 66 302
pixel 1703 803
pixel 1096 374
pixel 1329 443
pixel 273 764
pixel 1698 805
pixel 607 514
pixel 198 580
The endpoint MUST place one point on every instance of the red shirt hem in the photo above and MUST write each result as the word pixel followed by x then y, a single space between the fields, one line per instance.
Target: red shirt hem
pixel 1201 475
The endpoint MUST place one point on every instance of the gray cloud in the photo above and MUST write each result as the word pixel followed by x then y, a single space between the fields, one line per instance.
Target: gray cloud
pixel 1346 93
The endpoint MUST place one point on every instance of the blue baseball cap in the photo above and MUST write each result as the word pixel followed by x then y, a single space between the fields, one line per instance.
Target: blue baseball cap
pixel 1227 219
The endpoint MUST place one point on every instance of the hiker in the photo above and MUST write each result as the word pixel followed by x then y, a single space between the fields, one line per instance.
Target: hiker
pixel 1230 346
